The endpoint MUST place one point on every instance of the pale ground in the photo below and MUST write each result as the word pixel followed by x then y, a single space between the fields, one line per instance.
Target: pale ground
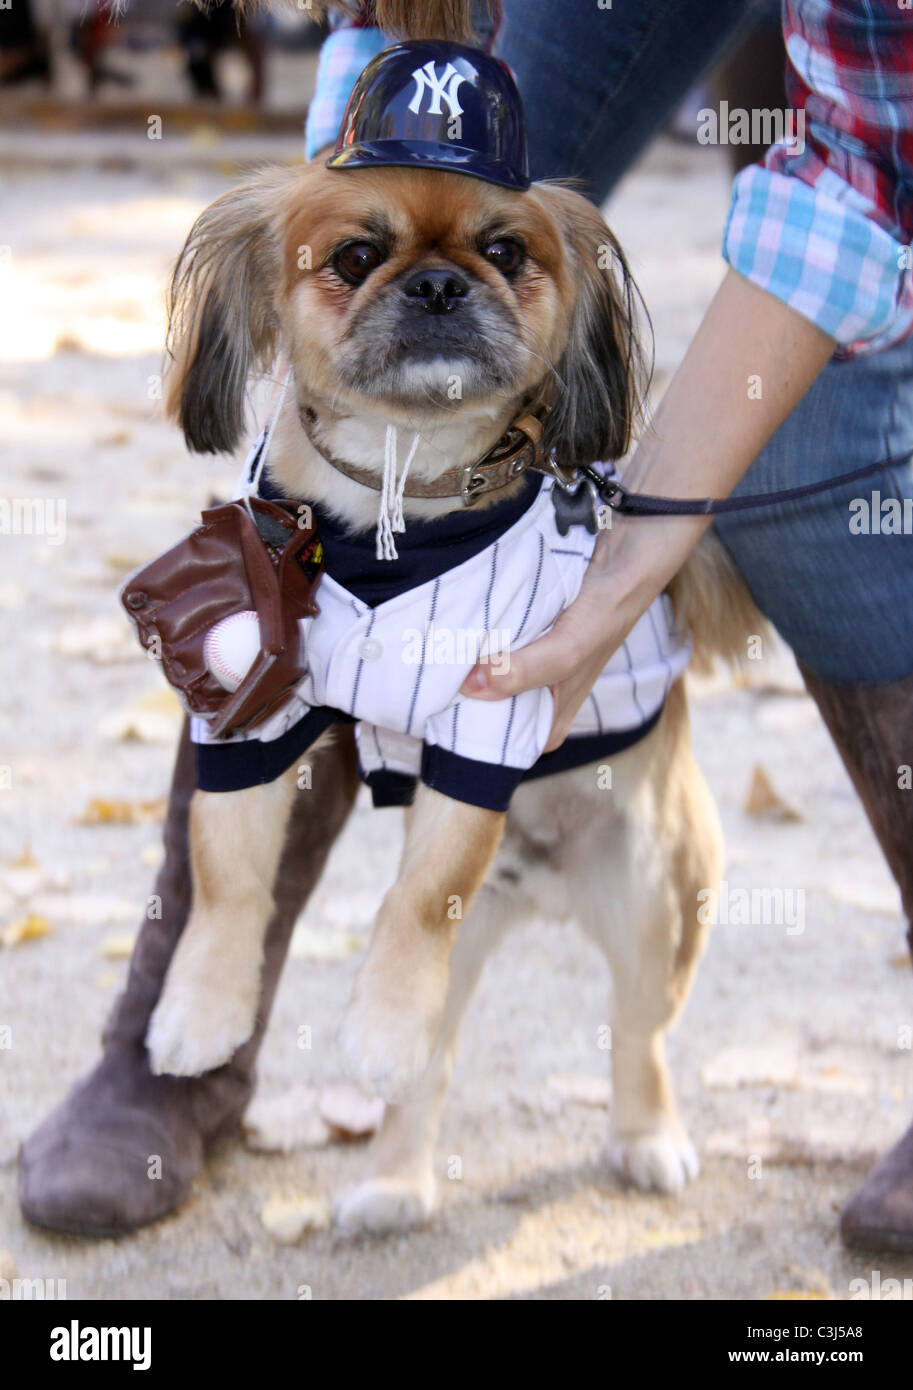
pixel 789 1048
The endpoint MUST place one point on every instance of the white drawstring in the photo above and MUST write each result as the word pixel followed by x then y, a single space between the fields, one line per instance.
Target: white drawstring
pixel 390 517
pixel 253 483
pixel 390 512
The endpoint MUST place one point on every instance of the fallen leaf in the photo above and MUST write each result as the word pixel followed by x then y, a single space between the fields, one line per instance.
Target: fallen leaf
pixel 349 1113
pixel 763 801
pixel 902 960
pixel 313 943
pixel 29 928
pixel 288 1218
pixel 151 719
pixel 118 946
pixel 68 342
pixel 24 877
pixel 100 811
pixel 116 561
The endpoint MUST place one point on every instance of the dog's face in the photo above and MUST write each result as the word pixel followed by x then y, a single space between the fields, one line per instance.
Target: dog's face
pixel 426 287
pixel 419 291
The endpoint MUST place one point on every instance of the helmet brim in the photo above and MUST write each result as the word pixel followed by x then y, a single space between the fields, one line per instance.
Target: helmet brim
pixel 427 154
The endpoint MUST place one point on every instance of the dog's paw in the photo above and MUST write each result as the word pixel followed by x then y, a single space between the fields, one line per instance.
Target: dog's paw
pixel 194 1030
pixel 386 1051
pixel 384 1204
pixel 661 1161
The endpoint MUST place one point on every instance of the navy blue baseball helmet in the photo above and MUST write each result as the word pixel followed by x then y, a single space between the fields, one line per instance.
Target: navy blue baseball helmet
pixel 436 105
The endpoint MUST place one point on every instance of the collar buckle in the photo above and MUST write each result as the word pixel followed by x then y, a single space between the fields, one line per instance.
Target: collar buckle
pixel 474 483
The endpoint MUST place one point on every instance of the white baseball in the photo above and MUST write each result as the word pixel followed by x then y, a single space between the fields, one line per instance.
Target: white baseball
pixel 231 648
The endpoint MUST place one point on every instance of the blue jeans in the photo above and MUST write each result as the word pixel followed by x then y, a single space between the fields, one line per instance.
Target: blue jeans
pixel 597 84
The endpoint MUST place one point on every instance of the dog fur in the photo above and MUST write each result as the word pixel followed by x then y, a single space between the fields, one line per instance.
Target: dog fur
pixel 260 276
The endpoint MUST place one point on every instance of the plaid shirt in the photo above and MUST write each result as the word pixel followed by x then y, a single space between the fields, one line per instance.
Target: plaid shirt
pixel 827 228
pixel 826 222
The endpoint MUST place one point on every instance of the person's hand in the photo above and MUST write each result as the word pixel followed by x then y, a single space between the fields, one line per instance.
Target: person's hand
pixel 568 659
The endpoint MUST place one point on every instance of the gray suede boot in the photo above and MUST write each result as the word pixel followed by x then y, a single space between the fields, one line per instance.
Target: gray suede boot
pixel 872 726
pixel 87 1169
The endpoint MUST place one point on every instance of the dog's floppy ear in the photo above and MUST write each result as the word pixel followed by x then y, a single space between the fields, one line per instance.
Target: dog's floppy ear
pixel 596 399
pixel 223 312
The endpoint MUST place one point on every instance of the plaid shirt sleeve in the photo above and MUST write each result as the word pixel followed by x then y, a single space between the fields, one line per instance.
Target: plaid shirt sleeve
pixel 825 222
pixel 343 55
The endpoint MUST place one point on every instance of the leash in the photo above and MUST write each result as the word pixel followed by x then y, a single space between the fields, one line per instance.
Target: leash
pixel 626 503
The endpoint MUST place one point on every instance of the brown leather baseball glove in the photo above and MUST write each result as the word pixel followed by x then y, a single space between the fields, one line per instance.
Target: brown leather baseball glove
pixel 270 564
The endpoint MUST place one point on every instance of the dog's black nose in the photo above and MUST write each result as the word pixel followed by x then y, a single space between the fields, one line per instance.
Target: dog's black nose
pixel 436 291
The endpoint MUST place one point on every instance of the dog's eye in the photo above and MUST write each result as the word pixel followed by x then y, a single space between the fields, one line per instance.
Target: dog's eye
pixel 355 261
pixel 506 254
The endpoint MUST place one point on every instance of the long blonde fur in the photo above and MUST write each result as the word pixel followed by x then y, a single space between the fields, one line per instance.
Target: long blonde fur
pixel 712 603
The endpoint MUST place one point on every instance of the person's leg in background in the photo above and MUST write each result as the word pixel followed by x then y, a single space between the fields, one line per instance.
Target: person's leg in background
pixel 86 1169
pixel 25 53
pixel 753 78
pixel 594 96
pixel 844 603
pixel 598 84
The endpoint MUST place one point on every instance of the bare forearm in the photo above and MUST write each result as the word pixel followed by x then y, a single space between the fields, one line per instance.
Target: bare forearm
pixel 749 364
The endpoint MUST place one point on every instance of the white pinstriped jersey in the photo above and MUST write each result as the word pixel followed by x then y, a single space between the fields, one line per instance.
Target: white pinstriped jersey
pixel 396 667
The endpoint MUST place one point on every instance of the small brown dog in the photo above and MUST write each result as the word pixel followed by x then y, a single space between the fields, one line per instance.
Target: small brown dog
pixel 316 265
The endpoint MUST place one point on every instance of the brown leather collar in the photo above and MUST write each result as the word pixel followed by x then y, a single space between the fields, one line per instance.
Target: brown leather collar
pixel 515 452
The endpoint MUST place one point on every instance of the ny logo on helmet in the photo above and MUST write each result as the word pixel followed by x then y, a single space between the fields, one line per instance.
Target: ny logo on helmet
pixel 446 86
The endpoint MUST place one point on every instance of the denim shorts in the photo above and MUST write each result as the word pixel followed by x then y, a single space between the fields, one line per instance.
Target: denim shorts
pixel 596 86
pixel 830 571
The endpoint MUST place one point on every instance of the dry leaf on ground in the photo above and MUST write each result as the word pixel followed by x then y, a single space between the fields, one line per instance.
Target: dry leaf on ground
pixel 151 719
pixel 288 1218
pixel 763 801
pixel 102 811
pixel 118 946
pixel 29 928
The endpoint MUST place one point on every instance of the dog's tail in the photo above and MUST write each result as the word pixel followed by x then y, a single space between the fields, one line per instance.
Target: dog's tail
pixel 712 603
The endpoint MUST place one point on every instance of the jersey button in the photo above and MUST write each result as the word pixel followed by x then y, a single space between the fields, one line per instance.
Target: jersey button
pixel 370 650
